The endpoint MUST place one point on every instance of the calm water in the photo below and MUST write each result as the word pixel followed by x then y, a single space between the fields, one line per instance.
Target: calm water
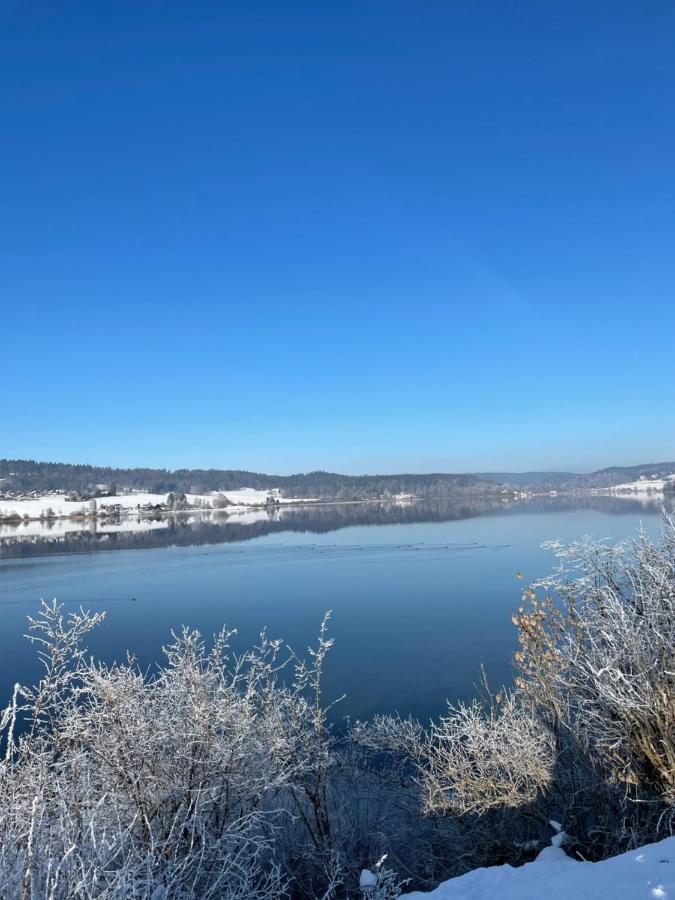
pixel 421 595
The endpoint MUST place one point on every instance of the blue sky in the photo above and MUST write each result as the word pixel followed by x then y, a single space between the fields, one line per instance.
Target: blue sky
pixel 360 236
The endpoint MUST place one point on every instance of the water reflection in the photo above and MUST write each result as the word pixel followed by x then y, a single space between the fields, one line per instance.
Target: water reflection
pixel 422 594
pixel 56 536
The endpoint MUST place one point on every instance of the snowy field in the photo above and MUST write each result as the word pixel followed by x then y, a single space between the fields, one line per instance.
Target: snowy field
pixel 646 486
pixel 644 874
pixel 35 508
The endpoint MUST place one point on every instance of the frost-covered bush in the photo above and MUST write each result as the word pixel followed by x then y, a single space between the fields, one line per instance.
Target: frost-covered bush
pixel 587 735
pixel 597 658
pixel 598 653
pixel 219 776
pixel 116 785
pixel 476 760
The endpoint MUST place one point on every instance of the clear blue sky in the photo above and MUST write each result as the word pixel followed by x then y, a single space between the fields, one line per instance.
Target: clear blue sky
pixel 361 236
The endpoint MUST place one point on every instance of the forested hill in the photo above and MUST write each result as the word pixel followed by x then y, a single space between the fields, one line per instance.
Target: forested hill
pixel 570 481
pixel 30 475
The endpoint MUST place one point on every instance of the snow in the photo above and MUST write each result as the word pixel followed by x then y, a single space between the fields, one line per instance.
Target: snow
pixel 253 497
pixel 643 486
pixel 246 497
pixel 642 874
pixel 367 880
pixel 558 839
pixel 36 507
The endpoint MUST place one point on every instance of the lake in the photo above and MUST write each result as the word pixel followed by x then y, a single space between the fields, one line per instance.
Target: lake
pixel 421 593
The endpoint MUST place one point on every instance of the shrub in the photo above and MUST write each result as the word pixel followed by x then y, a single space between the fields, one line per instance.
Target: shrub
pixel 213 778
pixel 598 655
pixel 475 761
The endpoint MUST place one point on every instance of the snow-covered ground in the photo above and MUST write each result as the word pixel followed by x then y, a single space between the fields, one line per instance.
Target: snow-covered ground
pixel 34 508
pixel 644 874
pixel 243 497
pixel 38 506
pixel 643 486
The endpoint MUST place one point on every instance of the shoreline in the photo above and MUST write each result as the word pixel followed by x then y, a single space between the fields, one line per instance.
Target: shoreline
pixel 126 512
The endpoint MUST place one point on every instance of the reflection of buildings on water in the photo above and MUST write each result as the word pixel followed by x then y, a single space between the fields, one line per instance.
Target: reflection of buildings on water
pixel 186 528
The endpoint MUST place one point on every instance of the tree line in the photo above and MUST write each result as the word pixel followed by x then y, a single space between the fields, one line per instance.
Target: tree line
pixel 31 475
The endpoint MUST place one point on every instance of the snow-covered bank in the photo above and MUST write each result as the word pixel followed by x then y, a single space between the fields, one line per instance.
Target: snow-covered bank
pixel 644 874
pixel 642 486
pixel 57 504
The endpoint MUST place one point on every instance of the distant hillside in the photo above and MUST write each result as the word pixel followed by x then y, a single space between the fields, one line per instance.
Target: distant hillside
pixel 610 476
pixel 31 475
pixel 622 474
pixel 571 481
pixel 525 479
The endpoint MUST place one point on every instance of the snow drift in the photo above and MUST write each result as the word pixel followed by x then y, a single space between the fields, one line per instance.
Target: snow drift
pixel 644 874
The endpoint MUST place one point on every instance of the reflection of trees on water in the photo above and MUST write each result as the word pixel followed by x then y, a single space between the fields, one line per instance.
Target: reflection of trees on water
pixel 604 503
pixel 184 530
